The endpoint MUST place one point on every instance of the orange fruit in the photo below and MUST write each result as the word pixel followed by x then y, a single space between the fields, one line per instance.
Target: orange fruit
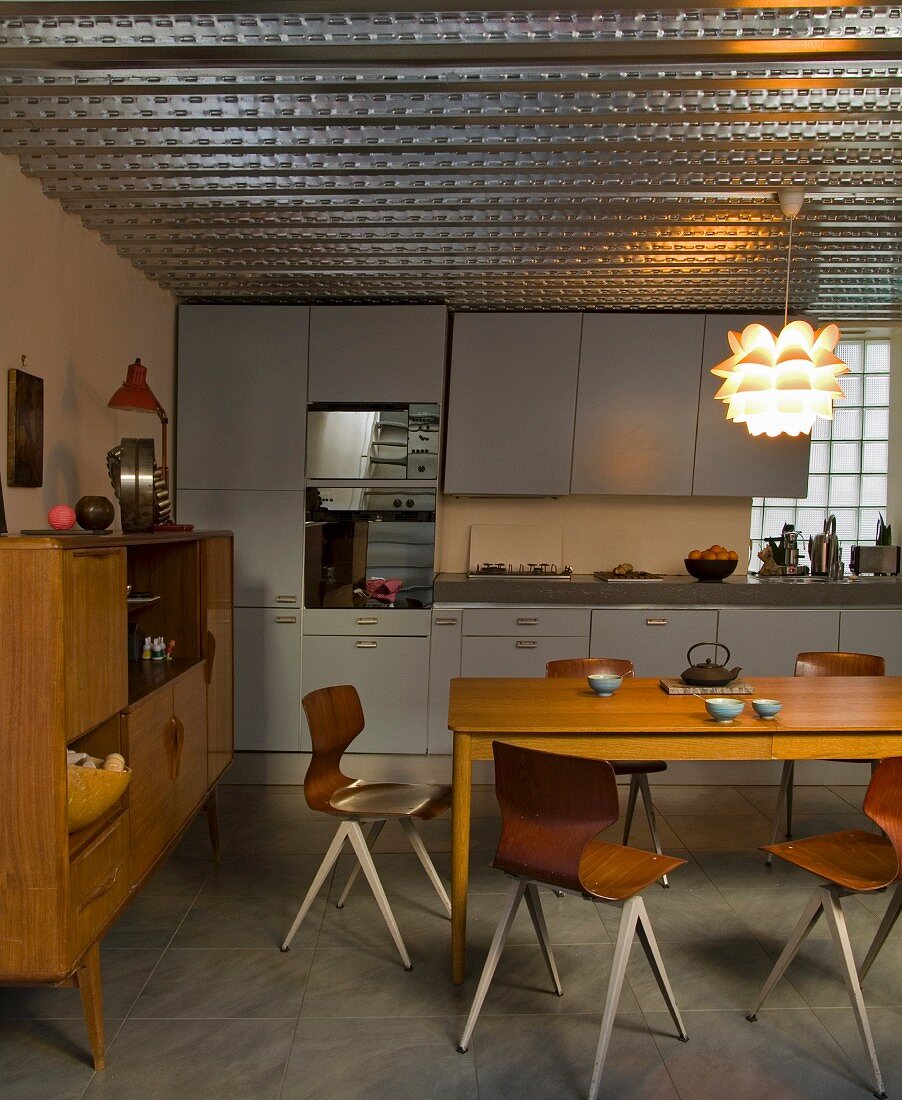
pixel 708 555
pixel 732 555
pixel 694 555
pixel 722 555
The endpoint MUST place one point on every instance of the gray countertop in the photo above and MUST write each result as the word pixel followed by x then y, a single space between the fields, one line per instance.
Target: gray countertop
pixel 583 590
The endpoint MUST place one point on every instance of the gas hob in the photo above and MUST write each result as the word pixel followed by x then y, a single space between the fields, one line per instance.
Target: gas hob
pixel 542 571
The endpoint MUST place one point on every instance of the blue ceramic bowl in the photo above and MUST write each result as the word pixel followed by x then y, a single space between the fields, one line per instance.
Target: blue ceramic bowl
pixel 766 708
pixel 722 708
pixel 604 685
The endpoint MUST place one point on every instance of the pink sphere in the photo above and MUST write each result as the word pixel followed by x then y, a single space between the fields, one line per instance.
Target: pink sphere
pixel 61 517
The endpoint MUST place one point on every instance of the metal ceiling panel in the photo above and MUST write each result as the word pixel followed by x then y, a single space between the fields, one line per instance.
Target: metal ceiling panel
pixel 588 157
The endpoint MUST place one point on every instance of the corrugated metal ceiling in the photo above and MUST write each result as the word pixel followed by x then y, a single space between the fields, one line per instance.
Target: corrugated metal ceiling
pixel 592 157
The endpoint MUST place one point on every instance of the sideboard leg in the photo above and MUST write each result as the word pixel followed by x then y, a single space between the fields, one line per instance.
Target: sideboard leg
pixel 89 986
pixel 212 808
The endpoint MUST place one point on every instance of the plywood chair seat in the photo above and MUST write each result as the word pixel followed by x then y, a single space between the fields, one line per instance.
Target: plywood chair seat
pixel 365 798
pixel 856 859
pixel 614 872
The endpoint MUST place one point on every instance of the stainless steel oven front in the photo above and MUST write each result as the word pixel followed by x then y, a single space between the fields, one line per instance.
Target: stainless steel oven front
pixel 373 442
pixel 369 547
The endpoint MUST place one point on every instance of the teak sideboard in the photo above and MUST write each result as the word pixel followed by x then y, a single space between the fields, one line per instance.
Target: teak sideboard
pixel 66 682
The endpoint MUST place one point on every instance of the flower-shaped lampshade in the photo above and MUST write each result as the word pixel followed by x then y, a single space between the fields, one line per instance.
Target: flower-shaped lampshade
pixel 779 385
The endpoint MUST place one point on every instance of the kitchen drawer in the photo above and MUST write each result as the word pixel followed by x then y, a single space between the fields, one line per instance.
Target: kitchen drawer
pixel 388 623
pixel 517 656
pixel 98 882
pixel 654 639
pixel 532 622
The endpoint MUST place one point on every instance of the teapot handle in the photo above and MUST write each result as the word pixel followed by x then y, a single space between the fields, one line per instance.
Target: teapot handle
pixel 717 645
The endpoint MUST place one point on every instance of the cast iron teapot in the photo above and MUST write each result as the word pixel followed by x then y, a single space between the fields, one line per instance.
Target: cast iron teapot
pixel 709 675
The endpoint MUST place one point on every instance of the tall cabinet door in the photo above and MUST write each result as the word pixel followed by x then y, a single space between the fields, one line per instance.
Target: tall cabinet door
pixel 512 400
pixel 637 403
pixel 729 461
pixel 242 385
pixel 267 679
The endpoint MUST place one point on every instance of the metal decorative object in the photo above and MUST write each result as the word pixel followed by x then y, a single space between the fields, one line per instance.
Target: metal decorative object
pixel 135 476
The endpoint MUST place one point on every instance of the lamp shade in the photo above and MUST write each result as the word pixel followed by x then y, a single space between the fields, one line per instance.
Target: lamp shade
pixel 134 393
pixel 779 385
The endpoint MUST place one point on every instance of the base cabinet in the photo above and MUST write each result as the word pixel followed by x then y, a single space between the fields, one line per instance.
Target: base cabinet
pixel 656 640
pixel 517 656
pixel 877 632
pixel 267 679
pixel 765 642
pixel 444 666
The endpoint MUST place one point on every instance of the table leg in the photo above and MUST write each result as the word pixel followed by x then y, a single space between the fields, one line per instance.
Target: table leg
pixel 460 854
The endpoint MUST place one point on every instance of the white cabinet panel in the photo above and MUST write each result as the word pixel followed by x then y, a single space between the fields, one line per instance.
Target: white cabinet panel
pixel 879 632
pixel 444 666
pixel 269 539
pixel 267 680
pixel 765 642
pixel 242 384
pixel 654 639
pixel 517 656
pixel 392 678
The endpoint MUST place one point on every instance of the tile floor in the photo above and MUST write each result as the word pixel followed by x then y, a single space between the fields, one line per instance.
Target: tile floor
pixel 201 1004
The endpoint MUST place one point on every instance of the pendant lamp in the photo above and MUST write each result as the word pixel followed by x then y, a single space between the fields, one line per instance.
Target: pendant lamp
pixel 779 384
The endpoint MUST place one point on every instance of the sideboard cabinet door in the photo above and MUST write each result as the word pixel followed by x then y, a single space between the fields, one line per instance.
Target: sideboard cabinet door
pixel 149 734
pixel 189 707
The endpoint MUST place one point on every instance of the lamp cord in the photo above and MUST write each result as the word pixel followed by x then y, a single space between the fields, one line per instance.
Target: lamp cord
pixel 788 262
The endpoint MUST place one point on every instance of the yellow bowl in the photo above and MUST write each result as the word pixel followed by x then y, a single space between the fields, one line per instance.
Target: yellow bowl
pixel 93 791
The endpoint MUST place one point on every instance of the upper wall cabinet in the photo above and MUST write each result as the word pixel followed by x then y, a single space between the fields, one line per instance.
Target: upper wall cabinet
pixel 637 403
pixel 511 403
pixel 377 353
pixel 729 461
pixel 242 382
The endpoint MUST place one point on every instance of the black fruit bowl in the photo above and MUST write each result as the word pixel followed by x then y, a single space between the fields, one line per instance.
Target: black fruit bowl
pixel 705 569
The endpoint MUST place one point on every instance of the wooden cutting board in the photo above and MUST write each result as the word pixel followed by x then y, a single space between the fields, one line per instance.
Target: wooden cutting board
pixel 673 685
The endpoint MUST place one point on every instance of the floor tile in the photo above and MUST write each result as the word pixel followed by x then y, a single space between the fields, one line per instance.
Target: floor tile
pixel 395 1059
pixel 40 1059
pixel 149 921
pixel 771 915
pixel 728 831
pixel 702 800
pixel 816 974
pixel 886 1027
pixel 223 919
pixel 806 799
pixel 692 915
pixel 179 876
pixel 748 869
pixel 219 984
pixel 854 795
pixel 196 1059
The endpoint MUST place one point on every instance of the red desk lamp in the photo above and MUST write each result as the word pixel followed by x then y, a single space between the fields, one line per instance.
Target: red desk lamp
pixel 135 395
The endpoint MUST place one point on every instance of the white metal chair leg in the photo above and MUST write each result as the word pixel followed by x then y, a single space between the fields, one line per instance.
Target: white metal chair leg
pixel 806 922
pixel 650 814
pixel 630 807
pixel 416 842
pixel 628 918
pixel 318 879
pixel 784 799
pixel 534 905
pixel 837 922
pixel 371 836
pixel 358 840
pixel 511 904
pixel 650 946
pixel 886 926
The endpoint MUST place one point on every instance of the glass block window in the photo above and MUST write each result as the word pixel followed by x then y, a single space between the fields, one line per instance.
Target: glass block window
pixel 849 459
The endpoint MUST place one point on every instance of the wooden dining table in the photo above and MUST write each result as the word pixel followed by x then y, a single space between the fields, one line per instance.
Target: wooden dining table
pixel 836 717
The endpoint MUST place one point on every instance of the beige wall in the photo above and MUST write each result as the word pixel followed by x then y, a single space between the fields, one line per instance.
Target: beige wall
pixel 81 314
pixel 652 533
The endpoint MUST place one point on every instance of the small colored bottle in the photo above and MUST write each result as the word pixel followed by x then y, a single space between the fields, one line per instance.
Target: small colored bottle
pixel 146 651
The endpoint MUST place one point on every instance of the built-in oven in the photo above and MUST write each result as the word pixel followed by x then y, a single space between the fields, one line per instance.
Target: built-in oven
pixel 392 442
pixel 369 547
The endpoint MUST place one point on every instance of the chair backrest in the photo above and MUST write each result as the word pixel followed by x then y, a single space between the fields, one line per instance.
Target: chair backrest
pixel 839 664
pixel 551 807
pixel 335 717
pixel 883 804
pixel 589 666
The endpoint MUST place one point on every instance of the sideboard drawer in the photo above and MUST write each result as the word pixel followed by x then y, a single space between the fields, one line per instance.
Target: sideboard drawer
pixel 98 882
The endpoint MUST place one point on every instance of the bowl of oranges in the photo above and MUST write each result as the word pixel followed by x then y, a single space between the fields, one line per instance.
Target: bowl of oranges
pixel 712 564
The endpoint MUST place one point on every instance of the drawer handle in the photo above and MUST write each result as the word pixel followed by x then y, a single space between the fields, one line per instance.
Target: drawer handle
pixel 106 552
pixel 286 599
pixel 103 887
pixel 656 622
pixel 527 645
pixel 286 618
pixel 444 622
pixel 366 645
pixel 367 622
pixel 527 622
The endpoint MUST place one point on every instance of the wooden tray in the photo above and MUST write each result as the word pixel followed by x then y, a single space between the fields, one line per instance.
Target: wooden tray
pixel 673 685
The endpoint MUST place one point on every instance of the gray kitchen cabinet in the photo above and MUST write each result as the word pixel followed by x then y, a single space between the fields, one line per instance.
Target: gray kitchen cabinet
pixel 637 403
pixel 765 641
pixel 267 680
pixel 377 353
pixel 483 656
pixel 729 461
pixel 391 676
pixel 511 404
pixel 367 620
pixel 879 632
pixel 242 385
pixel 524 622
pixel 444 666
pixel 654 639
pixel 269 539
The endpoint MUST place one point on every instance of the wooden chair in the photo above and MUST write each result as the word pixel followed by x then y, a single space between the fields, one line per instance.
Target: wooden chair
pixel 552 807
pixel 828 663
pixel 852 862
pixel 637 770
pixel 335 718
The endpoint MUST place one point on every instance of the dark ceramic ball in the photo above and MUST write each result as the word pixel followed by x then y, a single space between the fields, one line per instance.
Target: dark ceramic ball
pixel 94 513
